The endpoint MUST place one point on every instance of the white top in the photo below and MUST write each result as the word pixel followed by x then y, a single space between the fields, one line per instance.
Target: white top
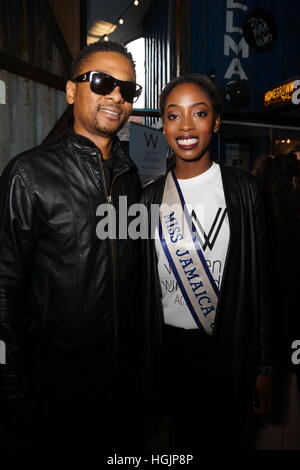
pixel 204 198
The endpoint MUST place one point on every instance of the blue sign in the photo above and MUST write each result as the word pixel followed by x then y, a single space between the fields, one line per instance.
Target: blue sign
pixel 253 40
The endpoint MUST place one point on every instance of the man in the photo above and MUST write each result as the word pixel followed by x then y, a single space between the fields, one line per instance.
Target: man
pixel 68 299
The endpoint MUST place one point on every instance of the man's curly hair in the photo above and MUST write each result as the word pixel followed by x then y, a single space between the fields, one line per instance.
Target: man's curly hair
pixel 99 46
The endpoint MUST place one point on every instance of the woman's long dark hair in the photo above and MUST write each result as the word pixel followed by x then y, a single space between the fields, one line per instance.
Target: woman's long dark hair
pixel 280 178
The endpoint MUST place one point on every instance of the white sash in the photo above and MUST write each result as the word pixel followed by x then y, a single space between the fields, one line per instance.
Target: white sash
pixel 181 245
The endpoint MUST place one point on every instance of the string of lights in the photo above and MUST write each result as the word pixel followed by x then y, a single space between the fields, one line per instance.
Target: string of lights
pixel 119 20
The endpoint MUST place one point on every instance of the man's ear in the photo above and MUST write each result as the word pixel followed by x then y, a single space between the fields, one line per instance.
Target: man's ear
pixel 70 92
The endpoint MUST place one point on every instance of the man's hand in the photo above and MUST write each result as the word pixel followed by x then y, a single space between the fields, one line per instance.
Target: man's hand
pixel 263 395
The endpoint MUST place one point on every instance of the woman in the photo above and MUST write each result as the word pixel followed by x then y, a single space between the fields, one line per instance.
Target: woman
pixel 205 287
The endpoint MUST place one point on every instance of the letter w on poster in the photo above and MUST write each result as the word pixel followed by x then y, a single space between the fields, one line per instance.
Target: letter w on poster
pixel 148 149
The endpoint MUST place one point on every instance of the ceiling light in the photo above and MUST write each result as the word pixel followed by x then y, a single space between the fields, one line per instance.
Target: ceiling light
pixel 99 29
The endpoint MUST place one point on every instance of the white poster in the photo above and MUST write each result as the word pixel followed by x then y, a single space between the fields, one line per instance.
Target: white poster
pixel 148 149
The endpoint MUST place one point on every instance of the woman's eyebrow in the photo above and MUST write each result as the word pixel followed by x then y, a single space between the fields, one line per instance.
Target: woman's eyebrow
pixel 178 106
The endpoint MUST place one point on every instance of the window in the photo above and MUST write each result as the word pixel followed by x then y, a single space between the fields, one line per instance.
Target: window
pixel 137 49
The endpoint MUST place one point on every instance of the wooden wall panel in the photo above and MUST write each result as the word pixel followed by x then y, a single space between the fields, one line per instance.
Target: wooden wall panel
pixel 67 13
pixel 25 33
pixel 29 114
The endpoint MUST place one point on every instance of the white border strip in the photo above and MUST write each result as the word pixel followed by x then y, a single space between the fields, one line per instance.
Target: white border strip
pixel 2 352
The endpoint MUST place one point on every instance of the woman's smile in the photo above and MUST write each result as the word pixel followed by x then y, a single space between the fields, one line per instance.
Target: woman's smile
pixel 187 142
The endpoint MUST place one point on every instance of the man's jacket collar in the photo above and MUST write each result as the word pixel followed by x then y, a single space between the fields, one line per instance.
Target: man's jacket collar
pixel 83 147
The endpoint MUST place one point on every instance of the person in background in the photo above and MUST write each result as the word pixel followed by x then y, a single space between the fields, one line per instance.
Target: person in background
pixel 279 177
pixel 205 286
pixel 68 297
pixel 296 150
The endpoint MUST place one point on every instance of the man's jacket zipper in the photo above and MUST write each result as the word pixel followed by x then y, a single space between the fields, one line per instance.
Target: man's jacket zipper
pixel 112 243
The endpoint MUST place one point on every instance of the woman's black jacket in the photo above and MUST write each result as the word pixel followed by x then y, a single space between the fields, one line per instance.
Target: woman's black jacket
pixel 242 317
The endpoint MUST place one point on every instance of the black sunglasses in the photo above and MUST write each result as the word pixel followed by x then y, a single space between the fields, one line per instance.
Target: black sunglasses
pixel 102 84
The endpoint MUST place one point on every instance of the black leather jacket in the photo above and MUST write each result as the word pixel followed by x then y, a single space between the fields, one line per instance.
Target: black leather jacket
pixel 243 315
pixel 72 294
